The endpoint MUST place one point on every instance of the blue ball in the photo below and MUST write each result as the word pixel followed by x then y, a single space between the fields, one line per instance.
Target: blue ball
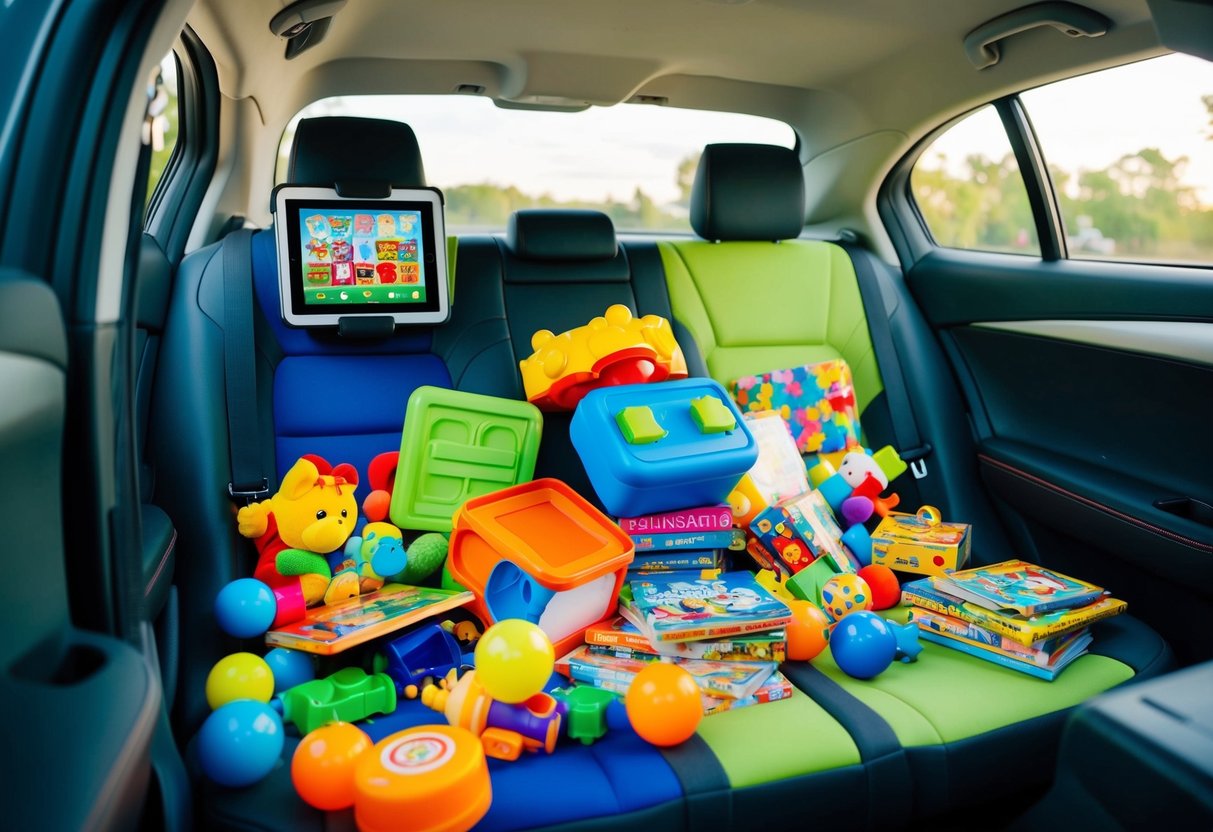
pixel 290 668
pixel 245 608
pixel 240 743
pixel 862 644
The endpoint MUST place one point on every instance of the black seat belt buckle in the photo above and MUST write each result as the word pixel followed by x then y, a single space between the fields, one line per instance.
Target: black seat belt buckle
pixel 249 494
pixel 916 458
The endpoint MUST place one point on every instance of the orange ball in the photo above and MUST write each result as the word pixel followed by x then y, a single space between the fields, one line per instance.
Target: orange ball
pixel 808 631
pixel 886 591
pixel 323 766
pixel 663 704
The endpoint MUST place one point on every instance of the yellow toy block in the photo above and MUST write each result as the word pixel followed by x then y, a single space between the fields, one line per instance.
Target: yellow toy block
pixel 615 348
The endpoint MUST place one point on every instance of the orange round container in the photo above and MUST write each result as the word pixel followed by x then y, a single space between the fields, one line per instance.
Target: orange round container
pixel 432 778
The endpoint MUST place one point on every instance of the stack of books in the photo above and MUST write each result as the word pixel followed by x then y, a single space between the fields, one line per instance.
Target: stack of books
pixel 691 538
pixel 1016 614
pixel 726 631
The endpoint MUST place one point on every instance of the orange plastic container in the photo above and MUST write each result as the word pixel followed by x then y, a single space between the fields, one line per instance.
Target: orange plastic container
pixel 432 778
pixel 541 552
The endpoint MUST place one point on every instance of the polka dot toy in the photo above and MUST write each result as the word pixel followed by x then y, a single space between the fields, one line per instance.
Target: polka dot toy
pixel 844 594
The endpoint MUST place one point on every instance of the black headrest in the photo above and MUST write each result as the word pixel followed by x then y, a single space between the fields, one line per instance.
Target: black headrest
pixel 344 149
pixel 748 192
pixel 541 234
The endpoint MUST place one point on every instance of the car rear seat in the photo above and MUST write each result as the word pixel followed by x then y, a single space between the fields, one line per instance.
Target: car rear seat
pixel 345 401
pixel 755 299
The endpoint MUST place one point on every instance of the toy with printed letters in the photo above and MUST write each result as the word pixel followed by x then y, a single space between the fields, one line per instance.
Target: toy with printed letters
pixel 651 448
pixel 312 514
pixel 614 348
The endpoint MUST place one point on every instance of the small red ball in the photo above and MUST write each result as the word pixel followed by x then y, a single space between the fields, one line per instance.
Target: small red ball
pixel 886 591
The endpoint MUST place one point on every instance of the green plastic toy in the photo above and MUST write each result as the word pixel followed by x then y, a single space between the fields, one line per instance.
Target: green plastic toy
pixel 348 695
pixel 587 711
pixel 638 425
pixel 711 415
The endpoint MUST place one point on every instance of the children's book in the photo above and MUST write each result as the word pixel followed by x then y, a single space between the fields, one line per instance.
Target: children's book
pixel 1042 655
pixel 1076 648
pixel 734 680
pixel 772 690
pixel 1021 587
pixel 677 561
pixel 1021 629
pixel 683 540
pixel 684 606
pixel 618 637
pixel 688 520
pixel 336 627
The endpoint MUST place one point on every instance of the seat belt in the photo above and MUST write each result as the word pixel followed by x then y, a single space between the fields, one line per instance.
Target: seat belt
pixel 910 446
pixel 248 483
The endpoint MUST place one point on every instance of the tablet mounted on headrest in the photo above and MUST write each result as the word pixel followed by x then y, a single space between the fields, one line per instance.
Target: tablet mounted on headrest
pixel 341 257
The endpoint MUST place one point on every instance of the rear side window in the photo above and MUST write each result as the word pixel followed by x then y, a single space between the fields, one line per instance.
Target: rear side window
pixel 164 124
pixel 1130 152
pixel 970 191
pixel 635 162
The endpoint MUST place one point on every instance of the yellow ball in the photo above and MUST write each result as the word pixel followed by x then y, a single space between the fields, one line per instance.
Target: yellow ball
pixel 239 676
pixel 844 594
pixel 514 660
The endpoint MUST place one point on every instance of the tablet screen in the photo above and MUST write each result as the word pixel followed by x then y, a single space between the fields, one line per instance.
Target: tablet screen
pixel 341 257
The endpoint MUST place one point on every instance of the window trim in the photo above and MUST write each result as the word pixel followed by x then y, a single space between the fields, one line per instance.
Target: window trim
pixel 1042 195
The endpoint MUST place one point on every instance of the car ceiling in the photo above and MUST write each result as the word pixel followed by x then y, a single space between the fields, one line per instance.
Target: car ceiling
pixel 860 81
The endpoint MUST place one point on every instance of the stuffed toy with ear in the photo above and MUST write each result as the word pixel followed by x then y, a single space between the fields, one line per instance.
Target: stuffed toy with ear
pixel 313 513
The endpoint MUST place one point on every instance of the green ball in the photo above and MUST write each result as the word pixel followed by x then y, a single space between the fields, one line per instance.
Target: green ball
pixel 425 555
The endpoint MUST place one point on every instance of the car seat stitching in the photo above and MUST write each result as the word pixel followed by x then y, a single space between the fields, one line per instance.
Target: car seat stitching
pixel 168 550
pixel 1128 518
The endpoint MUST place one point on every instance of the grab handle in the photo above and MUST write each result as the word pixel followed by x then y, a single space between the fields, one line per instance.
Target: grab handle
pixel 981 44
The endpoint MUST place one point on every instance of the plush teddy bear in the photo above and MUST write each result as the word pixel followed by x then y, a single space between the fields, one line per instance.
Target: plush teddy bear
pixel 312 514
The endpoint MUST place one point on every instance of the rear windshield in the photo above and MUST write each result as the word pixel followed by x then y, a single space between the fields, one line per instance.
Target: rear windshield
pixel 635 162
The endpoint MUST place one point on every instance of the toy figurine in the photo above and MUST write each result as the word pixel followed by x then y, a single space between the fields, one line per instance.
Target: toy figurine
pixel 313 513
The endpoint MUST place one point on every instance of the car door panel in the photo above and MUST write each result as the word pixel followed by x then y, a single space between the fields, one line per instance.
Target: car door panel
pixel 91 690
pixel 1088 386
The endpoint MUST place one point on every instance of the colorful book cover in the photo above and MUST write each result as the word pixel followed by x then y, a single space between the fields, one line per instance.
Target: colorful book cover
pixel 772 690
pixel 817 401
pixel 683 606
pixel 981 651
pixel 734 680
pixel 1025 631
pixel 677 561
pixel 1043 654
pixel 705 519
pixel 336 627
pixel 620 638
pixel 1020 586
pixel 682 540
